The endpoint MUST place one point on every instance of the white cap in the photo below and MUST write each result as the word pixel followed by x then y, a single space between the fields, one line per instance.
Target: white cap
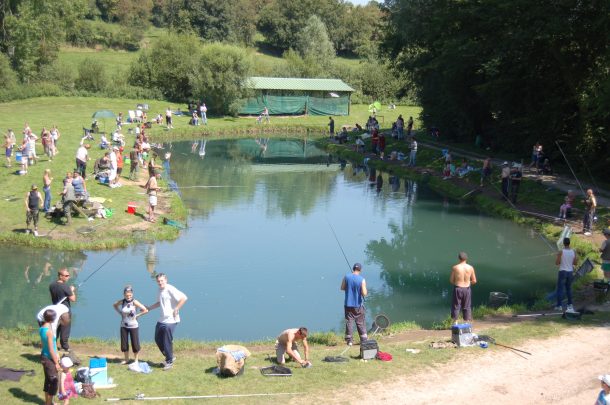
pixel 66 362
pixel 605 379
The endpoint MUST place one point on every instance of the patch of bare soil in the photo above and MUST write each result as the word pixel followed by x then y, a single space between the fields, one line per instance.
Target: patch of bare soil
pixel 561 370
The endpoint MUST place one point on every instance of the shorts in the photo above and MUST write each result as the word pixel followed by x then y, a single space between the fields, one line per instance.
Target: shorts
pixel 152 200
pixel 461 301
pixel 280 350
pixel 51 380
pixel 119 170
pixel 8 152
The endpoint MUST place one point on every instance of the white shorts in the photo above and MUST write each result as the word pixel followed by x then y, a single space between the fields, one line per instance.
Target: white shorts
pixel 280 350
pixel 152 200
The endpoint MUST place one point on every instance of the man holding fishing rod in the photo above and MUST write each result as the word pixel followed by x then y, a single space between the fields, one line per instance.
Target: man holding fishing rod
pixel 462 277
pixel 62 293
pixel 354 286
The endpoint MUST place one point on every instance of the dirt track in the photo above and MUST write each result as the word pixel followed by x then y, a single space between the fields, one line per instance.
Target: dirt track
pixel 561 370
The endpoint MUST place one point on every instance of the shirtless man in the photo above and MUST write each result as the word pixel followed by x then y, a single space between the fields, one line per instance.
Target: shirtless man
pixel 287 344
pixel 462 277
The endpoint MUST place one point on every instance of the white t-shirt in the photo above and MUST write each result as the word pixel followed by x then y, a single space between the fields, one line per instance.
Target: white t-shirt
pixel 81 154
pixel 59 309
pixel 168 299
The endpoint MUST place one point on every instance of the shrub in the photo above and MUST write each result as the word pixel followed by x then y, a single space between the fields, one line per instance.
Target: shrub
pixel 91 76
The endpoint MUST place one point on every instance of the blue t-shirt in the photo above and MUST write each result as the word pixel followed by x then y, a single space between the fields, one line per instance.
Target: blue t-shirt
pixel 46 350
pixel 353 291
pixel 602 398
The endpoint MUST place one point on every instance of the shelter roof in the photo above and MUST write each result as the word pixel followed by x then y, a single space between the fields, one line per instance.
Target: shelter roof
pixel 295 83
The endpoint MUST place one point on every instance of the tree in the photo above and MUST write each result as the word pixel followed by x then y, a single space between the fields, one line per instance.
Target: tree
pixel 222 74
pixel 91 76
pixel 511 70
pixel 312 42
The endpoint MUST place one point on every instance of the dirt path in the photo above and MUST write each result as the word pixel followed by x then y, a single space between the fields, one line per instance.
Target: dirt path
pixel 561 370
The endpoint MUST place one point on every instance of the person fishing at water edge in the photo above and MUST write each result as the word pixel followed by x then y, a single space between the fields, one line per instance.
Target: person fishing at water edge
pixel 170 301
pixel 63 294
pixel 286 343
pixel 590 205
pixel 566 260
pixel 462 277
pixel 354 286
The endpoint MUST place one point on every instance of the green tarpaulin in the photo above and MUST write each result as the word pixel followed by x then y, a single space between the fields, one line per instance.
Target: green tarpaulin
pixel 296 105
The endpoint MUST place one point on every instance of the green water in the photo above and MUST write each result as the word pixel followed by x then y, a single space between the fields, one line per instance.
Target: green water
pixel 259 254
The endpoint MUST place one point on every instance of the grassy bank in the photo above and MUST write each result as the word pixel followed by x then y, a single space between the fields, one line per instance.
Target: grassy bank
pixel 192 373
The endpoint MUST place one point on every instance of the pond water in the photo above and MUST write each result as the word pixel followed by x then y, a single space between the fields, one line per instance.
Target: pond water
pixel 259 254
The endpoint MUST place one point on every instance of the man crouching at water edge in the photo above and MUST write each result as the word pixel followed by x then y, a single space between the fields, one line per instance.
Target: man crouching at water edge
pixel 170 300
pixel 462 277
pixel 286 343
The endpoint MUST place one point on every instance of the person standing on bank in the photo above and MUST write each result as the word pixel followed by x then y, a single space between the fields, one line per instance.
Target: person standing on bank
pixel 170 301
pixel 33 204
pixel 331 128
pixel 604 251
pixel 566 260
pixel 590 205
pixel 128 308
pixel 49 357
pixel 462 277
pixel 62 293
pixel 354 286
pixel 505 175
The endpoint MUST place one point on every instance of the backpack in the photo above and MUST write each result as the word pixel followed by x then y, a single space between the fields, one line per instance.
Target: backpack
pixel 88 391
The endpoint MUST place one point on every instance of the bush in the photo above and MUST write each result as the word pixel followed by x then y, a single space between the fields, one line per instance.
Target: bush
pixel 91 76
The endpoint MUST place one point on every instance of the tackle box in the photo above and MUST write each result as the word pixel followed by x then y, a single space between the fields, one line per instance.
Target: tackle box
pixel 368 349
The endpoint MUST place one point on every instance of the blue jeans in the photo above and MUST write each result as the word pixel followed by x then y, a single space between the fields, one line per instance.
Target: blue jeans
pixel 47 198
pixel 164 337
pixel 564 279
pixel 412 158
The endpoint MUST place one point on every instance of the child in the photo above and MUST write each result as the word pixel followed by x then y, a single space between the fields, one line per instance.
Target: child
pixel 67 389
pixel 563 209
pixel 127 308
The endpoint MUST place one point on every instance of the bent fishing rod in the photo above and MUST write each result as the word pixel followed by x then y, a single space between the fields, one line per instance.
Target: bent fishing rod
pixel 339 243
pixel 570 166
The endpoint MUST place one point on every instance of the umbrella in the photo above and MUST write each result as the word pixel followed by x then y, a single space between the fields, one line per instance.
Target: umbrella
pixel 103 114
pixel 376 106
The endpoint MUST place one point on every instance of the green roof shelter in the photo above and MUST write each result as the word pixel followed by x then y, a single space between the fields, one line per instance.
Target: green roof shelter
pixel 296 96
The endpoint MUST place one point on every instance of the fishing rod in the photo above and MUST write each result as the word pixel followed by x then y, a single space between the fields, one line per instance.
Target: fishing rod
pixel 142 397
pixel 339 243
pixel 98 269
pixel 570 166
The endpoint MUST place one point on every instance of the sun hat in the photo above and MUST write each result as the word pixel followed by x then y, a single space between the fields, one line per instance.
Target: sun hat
pixel 605 379
pixel 66 362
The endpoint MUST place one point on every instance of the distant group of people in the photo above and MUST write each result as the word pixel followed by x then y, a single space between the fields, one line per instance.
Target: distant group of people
pixel 25 151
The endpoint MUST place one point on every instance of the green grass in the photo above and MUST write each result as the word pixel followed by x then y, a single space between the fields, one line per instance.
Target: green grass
pixel 116 63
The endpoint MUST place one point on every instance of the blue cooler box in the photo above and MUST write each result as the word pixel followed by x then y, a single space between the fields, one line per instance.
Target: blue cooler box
pixel 98 370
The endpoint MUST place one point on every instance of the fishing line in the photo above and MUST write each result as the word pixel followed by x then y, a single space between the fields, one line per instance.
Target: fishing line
pixel 99 268
pixel 339 243
pixel 574 174
pixel 590 175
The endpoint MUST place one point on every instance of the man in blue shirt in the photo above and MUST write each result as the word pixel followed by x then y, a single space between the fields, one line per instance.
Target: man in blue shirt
pixel 354 286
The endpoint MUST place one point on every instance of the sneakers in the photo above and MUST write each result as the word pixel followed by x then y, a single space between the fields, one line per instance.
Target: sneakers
pixel 171 362
pixel 570 309
pixel 35 233
pixel 168 366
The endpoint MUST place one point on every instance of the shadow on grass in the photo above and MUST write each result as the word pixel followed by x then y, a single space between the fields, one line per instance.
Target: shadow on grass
pixel 25 397
pixel 35 358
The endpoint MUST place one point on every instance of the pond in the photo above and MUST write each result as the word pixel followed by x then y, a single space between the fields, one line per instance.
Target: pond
pixel 259 254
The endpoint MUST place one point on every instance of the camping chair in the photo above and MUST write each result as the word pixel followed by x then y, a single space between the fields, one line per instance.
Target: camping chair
pixel 139 115
pixel 132 117
pixel 584 268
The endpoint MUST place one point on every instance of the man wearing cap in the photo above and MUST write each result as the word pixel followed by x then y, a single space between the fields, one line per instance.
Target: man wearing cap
pixel 33 203
pixel 354 286
pixel 462 277
pixel 604 395
pixel 604 251
pixel 505 179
